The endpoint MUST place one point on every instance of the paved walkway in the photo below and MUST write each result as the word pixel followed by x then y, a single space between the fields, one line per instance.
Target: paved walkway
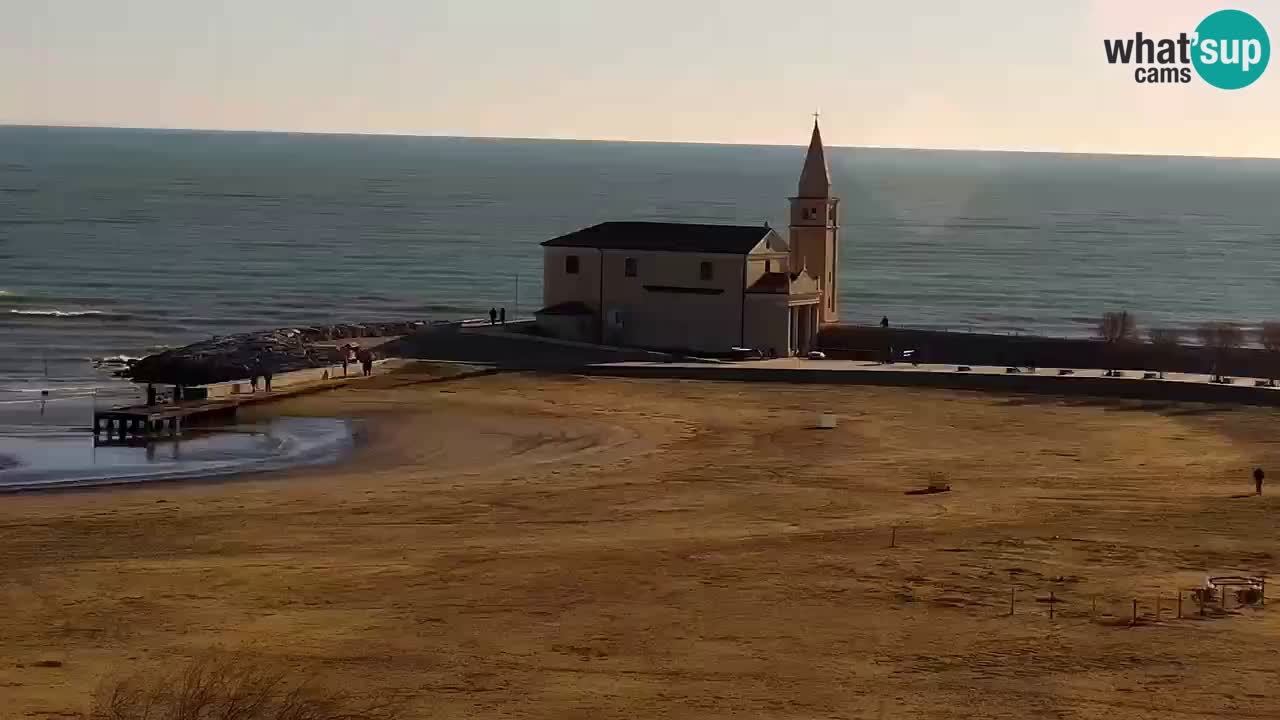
pixel 1177 387
pixel 871 366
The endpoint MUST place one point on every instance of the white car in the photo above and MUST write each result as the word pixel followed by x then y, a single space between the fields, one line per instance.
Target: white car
pixel 816 355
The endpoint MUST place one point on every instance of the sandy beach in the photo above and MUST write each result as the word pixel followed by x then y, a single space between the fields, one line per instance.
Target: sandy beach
pixel 564 547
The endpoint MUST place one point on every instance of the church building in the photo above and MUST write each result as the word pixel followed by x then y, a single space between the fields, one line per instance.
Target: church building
pixel 691 287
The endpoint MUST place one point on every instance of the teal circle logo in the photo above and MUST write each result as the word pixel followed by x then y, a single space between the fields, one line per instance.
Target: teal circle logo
pixel 1232 49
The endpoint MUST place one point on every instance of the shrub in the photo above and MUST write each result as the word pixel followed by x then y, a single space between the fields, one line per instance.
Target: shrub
pixel 231 686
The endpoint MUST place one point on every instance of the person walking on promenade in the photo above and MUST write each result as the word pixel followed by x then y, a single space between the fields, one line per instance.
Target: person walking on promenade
pixel 493 316
pixel 1258 477
pixel 366 362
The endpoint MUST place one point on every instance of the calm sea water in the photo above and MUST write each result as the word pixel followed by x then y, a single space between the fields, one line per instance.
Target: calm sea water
pixel 119 242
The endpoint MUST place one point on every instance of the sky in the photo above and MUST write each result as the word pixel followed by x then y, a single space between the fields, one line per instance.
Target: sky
pixel 981 74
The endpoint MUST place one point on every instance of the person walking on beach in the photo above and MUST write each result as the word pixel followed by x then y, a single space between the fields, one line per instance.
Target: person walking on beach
pixel 493 316
pixel 345 358
pixel 1258 477
pixel 266 377
pixel 502 316
pixel 366 362
pixel 253 380
pixel 884 321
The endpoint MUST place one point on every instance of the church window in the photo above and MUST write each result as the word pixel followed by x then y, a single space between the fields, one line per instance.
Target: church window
pixel 571 264
pixel 629 267
pixel 704 270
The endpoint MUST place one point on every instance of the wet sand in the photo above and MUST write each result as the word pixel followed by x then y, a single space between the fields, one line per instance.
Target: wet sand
pixel 521 546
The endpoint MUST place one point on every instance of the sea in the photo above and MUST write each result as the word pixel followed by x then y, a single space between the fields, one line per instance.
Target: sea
pixel 115 243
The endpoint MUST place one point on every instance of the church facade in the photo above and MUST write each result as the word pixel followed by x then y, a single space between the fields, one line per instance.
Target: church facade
pixel 701 288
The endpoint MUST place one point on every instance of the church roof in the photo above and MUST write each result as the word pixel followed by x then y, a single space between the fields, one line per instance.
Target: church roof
pixel 784 283
pixel 815 178
pixel 572 307
pixel 771 282
pixel 665 237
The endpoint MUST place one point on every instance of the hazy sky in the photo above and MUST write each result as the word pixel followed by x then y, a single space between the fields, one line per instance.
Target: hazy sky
pixel 1012 74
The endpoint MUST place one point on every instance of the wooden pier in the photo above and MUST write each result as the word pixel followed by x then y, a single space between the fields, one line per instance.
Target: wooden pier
pixel 134 424
pixel 140 421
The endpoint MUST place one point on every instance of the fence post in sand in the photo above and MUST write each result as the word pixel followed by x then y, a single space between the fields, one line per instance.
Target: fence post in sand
pixel 1157 608
pixel 893 537
pixel 1134 620
pixel 1262 593
pixel 1179 604
pixel 1095 607
pixel 1012 590
pixel 1052 600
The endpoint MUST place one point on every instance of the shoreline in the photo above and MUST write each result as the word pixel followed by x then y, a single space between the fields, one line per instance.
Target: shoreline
pixel 255 414
pixel 341 443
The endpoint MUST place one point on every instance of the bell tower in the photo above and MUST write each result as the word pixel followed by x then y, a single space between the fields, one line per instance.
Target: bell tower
pixel 815 227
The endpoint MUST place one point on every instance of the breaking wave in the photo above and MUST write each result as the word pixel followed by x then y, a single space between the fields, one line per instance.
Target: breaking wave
pixel 54 313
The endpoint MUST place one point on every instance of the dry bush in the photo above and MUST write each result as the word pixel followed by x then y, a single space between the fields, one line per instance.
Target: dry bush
pixel 231 686
pixel 1269 336
pixel 1118 327
pixel 1220 339
pixel 1116 330
pixel 1165 342
pixel 1165 337
pixel 1269 339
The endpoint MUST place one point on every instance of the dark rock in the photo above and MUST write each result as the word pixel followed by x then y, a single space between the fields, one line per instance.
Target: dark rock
pixel 238 357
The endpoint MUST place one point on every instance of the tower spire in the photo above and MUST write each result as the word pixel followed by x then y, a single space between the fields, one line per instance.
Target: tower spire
pixel 815 178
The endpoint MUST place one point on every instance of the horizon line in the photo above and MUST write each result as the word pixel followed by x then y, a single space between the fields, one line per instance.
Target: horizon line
pixel 447 136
